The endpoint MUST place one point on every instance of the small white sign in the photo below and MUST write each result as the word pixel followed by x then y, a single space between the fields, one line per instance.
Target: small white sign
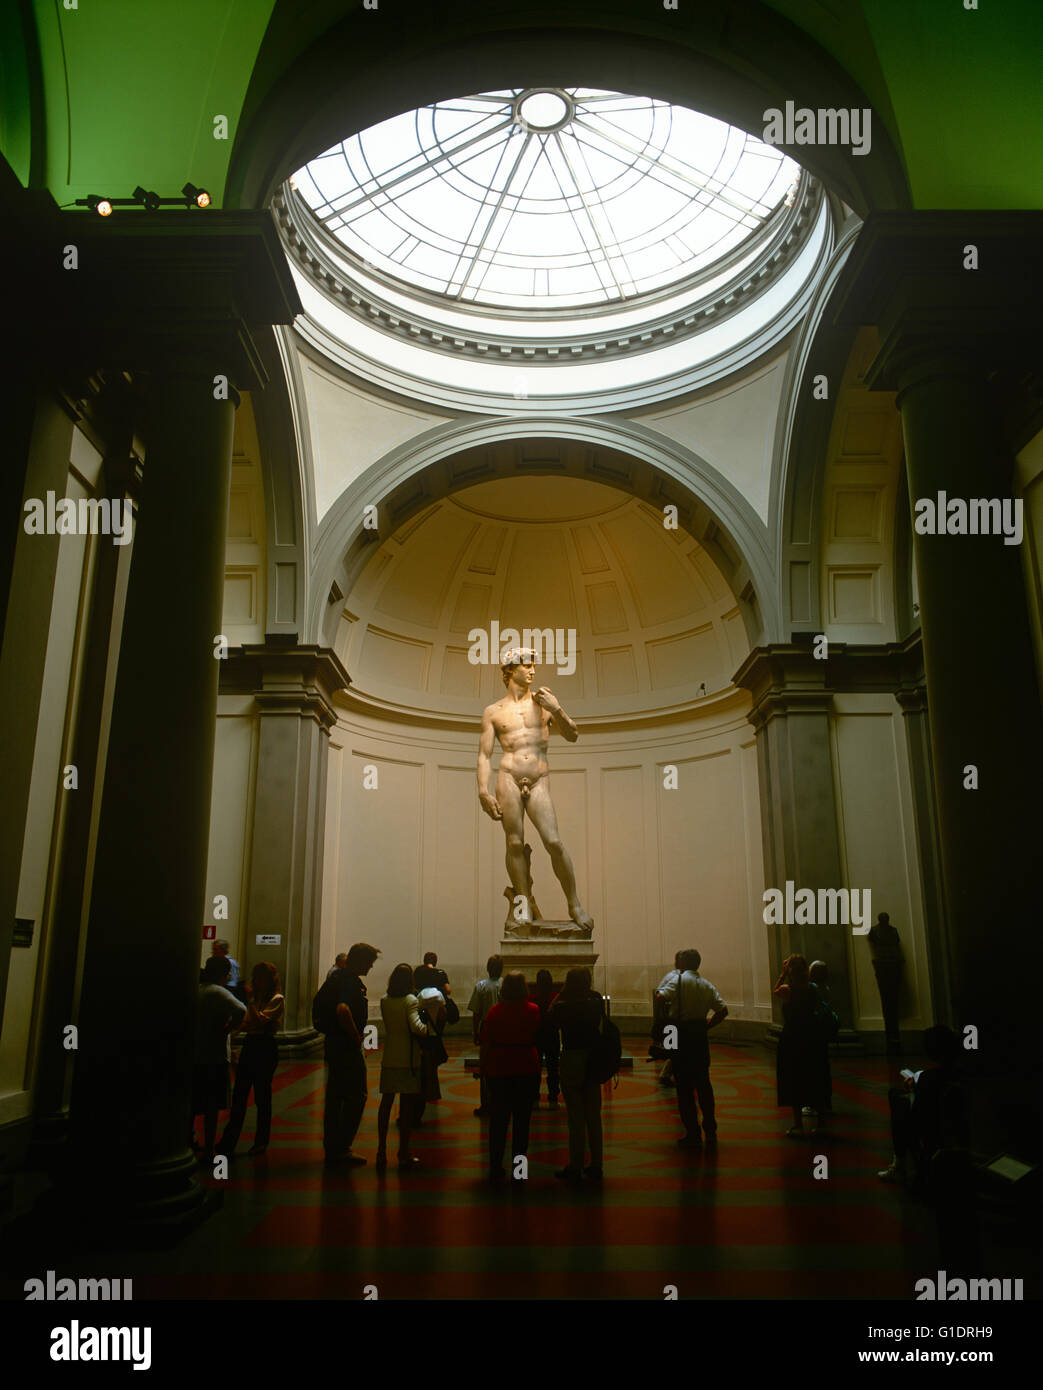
pixel 269 940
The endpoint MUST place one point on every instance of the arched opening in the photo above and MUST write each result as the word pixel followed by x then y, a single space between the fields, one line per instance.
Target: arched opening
pixel 350 75
pixel 658 800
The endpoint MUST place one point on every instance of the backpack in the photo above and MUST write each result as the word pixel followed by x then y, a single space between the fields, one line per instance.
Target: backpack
pixel 826 1021
pixel 324 1005
pixel 606 1054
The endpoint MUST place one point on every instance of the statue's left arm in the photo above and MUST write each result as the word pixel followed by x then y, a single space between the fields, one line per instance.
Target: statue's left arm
pixel 558 718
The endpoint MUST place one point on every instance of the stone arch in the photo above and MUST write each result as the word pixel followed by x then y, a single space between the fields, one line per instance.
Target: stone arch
pixel 327 74
pixel 838 489
pixel 285 514
pixel 627 456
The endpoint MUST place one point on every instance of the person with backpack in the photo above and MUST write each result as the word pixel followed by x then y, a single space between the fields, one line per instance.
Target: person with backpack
pixel 686 999
pixel 578 1014
pixel 801 1061
pixel 829 1026
pixel 543 995
pixel 341 1011
pixel 509 1040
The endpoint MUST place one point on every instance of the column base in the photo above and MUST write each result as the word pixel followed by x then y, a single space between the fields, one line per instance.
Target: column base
pixel 301 1043
pixel 47 1147
pixel 156 1206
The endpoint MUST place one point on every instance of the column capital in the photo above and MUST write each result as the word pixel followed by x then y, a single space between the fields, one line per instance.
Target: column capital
pixel 158 292
pixel 786 678
pixel 907 275
pixel 286 678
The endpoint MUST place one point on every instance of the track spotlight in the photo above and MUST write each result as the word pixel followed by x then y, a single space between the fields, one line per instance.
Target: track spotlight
pixel 195 197
pixel 102 206
pixel 150 200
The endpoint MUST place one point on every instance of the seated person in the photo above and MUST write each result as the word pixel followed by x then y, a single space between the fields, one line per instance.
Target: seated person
pixel 928 1113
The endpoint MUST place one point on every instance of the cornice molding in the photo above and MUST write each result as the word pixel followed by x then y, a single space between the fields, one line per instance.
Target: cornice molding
pixel 161 292
pixel 306 245
pixel 724 703
pixel 784 678
pixel 287 679
pixel 906 275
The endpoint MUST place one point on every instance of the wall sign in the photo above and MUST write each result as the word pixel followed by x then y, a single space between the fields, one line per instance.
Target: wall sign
pixel 269 940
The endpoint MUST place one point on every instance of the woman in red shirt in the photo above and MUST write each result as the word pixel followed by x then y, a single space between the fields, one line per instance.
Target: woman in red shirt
pixel 512 1068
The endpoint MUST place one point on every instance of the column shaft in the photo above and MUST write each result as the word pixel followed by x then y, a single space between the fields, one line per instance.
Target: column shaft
pixel 131 1086
pixel 985 713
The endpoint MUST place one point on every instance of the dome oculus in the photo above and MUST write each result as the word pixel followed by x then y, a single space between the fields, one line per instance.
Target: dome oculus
pixel 545 198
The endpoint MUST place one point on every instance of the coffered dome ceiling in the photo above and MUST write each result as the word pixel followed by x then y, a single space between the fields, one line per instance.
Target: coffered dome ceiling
pixel 653 618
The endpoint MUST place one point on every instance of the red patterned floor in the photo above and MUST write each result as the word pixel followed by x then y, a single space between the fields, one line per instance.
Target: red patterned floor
pixel 748 1221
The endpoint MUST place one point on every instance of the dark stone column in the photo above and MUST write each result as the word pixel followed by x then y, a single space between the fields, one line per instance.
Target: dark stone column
pixel 961 347
pixel 984 696
pixel 24 648
pixel 293 689
pixel 913 701
pixel 167 302
pixel 791 713
pixel 120 478
pixel 128 1152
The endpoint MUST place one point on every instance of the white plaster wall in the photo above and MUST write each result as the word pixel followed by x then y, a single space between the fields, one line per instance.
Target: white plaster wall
pixel 348 429
pixel 733 429
pixel 231 818
pixel 43 820
pixel 878 847
pixel 417 866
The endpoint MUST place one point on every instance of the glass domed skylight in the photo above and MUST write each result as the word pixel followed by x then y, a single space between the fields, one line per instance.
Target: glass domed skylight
pixel 545 199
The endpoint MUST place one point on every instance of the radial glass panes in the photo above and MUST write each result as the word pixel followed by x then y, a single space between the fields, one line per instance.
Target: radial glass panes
pixel 545 198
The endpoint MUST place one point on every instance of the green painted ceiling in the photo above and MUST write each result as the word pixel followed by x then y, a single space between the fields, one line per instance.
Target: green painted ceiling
pixel 963 86
pixel 131 90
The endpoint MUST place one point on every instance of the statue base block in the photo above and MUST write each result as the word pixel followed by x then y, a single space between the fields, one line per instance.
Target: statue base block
pixel 554 953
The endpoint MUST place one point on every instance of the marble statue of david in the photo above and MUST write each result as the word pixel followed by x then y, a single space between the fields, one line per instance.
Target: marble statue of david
pixel 522 722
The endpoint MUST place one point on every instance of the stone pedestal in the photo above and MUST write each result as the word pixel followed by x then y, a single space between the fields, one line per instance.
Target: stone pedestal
pixel 556 954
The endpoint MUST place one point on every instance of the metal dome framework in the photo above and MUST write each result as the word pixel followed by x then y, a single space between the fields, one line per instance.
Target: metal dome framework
pixel 546 199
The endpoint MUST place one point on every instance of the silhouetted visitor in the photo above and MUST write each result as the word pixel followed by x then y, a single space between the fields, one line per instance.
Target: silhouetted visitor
pixel 400 1072
pixel 688 998
pixel 659 1020
pixel 484 995
pixel 218 1015
pixel 576 1014
pixel 257 1059
pixel 886 949
pixel 928 1112
pixel 432 1007
pixel 222 948
pixel 543 995
pixel 339 963
pixel 428 975
pixel 802 1058
pixel 512 1066
pixel 341 1011
pixel 818 975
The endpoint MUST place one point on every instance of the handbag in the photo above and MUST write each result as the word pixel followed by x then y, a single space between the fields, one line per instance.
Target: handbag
pixel 452 1013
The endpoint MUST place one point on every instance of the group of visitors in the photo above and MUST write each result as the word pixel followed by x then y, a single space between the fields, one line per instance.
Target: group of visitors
pixel 219 1014
pixel 522 1032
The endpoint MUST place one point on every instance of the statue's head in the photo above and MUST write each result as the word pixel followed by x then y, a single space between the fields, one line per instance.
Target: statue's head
pixel 518 658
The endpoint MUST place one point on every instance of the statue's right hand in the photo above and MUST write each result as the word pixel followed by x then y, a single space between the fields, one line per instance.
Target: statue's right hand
pixel 490 806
